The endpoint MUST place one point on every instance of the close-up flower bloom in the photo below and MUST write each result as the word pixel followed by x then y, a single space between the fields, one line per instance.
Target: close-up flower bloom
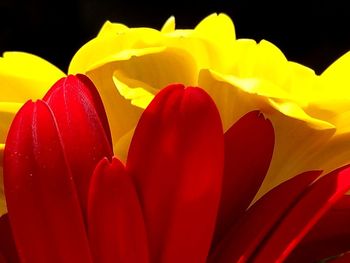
pixel 119 162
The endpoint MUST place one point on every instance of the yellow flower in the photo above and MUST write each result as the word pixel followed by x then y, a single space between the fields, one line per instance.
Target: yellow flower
pixel 130 65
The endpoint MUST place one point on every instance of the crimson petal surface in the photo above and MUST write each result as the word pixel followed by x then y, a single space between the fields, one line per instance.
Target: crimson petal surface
pixel 309 209
pixel 251 230
pixel 8 252
pixel 42 203
pixel 329 237
pixel 84 139
pixel 249 145
pixel 116 226
pixel 176 161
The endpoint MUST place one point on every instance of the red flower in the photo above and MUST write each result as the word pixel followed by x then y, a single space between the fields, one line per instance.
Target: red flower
pixel 183 195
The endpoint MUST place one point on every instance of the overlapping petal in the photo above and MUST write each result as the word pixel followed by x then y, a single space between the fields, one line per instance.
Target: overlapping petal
pixel 328 238
pixel 82 126
pixel 176 160
pixel 245 237
pixel 43 206
pixel 249 145
pixel 116 227
pixel 191 181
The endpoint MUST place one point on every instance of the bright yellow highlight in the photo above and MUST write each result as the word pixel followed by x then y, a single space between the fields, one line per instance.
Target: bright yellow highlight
pixel 129 66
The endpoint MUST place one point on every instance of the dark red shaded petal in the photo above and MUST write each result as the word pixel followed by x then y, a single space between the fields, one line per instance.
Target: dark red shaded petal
pixel 116 227
pixel 244 237
pixel 97 103
pixel 329 237
pixel 79 124
pixel 309 209
pixel 342 258
pixel 249 145
pixel 42 203
pixel 176 159
pixel 8 250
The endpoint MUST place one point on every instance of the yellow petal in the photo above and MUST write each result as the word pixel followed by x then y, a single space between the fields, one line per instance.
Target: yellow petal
pixel 134 90
pixel 230 94
pixel 115 47
pixel 7 112
pixel 263 60
pixel 169 25
pixel 293 110
pixel 121 148
pixel 218 29
pixel 298 148
pixel 339 71
pixel 109 28
pixel 301 83
pixel 332 86
pixel 24 76
pixel 331 100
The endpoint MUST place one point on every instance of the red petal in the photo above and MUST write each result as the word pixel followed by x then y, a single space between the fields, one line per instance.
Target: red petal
pixel 8 250
pixel 243 239
pixel 84 140
pixel 321 196
pixel 96 101
pixel 43 208
pixel 176 160
pixel 329 237
pixel 116 227
pixel 249 146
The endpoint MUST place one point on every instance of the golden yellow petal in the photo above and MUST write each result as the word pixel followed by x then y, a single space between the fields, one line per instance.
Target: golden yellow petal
pixel 218 33
pixel 24 76
pixel 339 70
pixel 114 47
pixel 8 111
pixel 263 95
pixel 218 28
pixel 109 28
pixel 298 148
pixel 263 60
pixel 134 90
pixel 294 111
pixel 169 25
pixel 121 148
pixel 301 83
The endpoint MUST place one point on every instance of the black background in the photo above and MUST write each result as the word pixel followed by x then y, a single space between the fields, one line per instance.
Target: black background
pixel 311 32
